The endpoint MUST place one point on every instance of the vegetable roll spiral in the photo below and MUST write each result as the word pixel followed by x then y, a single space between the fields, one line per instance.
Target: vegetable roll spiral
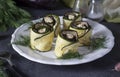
pixel 84 31
pixel 67 41
pixel 69 17
pixel 39 34
pixel 53 21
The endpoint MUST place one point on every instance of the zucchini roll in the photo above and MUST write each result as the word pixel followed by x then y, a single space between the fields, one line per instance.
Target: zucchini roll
pixel 67 41
pixel 84 31
pixel 41 37
pixel 53 21
pixel 69 17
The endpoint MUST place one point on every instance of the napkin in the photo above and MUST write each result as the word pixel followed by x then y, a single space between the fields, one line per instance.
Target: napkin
pixel 112 10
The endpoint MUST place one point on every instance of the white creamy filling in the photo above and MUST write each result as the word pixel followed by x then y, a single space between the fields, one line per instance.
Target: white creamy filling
pixel 42 30
pixel 76 14
pixel 48 19
pixel 71 17
pixel 70 36
pixel 82 25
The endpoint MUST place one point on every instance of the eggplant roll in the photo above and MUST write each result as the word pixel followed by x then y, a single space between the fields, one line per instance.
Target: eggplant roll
pixel 53 21
pixel 67 41
pixel 69 17
pixel 41 37
pixel 84 31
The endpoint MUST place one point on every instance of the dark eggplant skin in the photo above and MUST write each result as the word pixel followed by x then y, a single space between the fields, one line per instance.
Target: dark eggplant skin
pixel 53 19
pixel 75 23
pixel 40 25
pixel 71 13
pixel 69 17
pixel 74 39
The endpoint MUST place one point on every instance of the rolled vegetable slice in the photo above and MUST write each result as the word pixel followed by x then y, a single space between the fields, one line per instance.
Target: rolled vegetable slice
pixel 67 41
pixel 41 37
pixel 69 17
pixel 84 31
pixel 53 21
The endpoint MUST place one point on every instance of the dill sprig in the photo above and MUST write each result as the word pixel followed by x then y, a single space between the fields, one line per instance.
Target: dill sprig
pixel 97 43
pixel 11 15
pixel 2 71
pixel 23 40
pixel 71 55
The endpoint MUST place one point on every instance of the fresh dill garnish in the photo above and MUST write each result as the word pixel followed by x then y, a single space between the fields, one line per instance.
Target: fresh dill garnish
pixel 3 73
pixel 70 55
pixel 11 15
pixel 24 41
pixel 30 26
pixel 97 43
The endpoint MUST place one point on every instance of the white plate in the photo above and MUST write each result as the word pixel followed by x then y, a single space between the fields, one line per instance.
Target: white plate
pixel 50 58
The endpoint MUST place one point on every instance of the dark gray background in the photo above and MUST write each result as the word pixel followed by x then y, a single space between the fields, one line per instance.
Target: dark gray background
pixel 99 68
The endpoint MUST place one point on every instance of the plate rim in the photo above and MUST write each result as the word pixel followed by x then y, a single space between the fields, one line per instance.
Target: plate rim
pixel 19 51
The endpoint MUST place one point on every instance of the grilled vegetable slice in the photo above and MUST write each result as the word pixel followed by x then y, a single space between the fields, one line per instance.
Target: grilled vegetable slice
pixel 69 17
pixel 67 41
pixel 39 34
pixel 84 31
pixel 53 21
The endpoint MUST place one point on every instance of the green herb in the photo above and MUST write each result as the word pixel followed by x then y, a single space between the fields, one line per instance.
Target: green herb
pixel 1 62
pixel 30 26
pixel 70 55
pixel 24 41
pixel 97 43
pixel 2 71
pixel 11 15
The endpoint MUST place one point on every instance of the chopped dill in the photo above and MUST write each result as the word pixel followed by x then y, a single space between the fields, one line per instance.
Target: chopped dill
pixel 97 43
pixel 24 41
pixel 30 26
pixel 70 55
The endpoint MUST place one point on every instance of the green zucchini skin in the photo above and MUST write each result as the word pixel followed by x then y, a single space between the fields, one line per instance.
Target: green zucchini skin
pixel 64 45
pixel 39 41
pixel 73 40
pixel 84 34
pixel 56 23
pixel 67 21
